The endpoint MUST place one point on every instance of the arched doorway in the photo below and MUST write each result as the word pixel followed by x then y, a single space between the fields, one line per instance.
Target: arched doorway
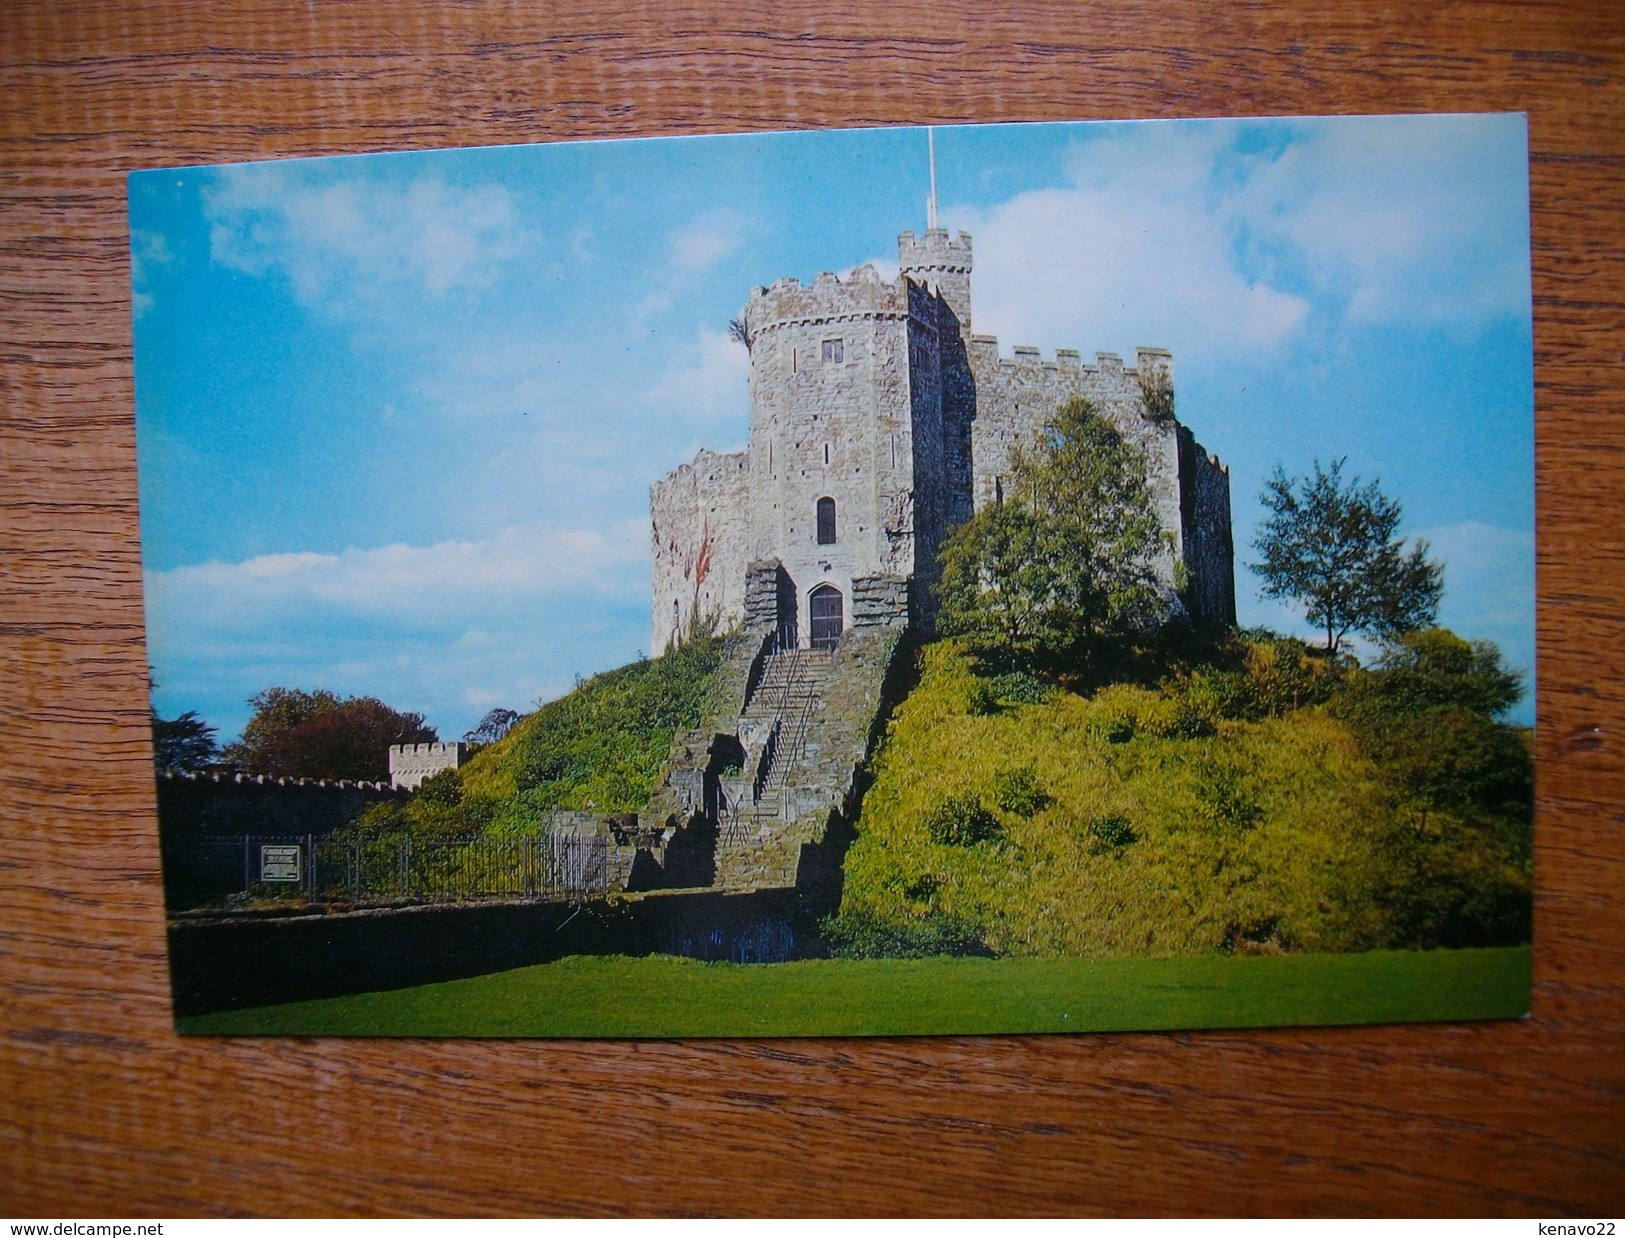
pixel 785 636
pixel 825 614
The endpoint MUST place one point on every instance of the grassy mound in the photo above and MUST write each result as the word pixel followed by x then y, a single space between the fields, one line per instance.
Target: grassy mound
pixel 1250 806
pixel 598 747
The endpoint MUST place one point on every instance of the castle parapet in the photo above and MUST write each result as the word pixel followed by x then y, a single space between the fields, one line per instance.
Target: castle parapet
pixel 863 294
pixel 934 251
pixel 984 351
pixel 410 764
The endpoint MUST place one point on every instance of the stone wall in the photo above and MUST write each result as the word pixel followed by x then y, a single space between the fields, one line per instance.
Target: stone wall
pixel 1210 555
pixel 880 602
pixel 700 538
pixel 194 807
pixel 1017 396
pixel 876 395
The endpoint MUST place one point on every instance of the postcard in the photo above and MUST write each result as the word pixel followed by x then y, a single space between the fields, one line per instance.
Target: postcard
pixel 977 579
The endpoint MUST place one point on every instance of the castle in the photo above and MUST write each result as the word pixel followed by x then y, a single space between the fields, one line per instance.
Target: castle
pixel 878 423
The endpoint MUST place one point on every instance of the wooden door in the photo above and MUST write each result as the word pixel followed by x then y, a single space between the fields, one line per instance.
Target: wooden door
pixel 826 624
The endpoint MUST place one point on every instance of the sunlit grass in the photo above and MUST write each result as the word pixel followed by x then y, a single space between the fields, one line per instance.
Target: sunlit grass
pixel 662 996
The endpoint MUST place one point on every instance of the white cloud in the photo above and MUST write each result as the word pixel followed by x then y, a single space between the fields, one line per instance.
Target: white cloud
pixel 1112 267
pixel 1412 219
pixel 705 242
pixel 451 629
pixel 709 387
pixel 450 582
pixel 886 267
pixel 147 249
pixel 1489 584
pixel 360 238
pixel 1181 236
pixel 695 249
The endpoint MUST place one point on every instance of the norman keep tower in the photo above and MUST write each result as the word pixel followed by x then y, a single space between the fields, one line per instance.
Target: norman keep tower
pixel 879 421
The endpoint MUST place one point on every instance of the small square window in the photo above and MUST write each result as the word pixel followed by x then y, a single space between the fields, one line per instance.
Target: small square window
pixel 834 352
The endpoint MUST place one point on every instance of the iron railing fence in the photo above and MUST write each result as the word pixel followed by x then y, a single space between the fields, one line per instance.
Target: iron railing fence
pixel 307 869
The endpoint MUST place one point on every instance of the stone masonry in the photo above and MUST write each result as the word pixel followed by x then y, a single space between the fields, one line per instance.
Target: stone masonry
pixel 410 764
pixel 756 790
pixel 879 422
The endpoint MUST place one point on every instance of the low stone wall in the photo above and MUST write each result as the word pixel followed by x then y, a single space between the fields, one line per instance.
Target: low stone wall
pixel 192 808
pixel 241 961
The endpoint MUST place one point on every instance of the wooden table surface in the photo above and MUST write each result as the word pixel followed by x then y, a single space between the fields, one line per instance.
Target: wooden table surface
pixel 103 1111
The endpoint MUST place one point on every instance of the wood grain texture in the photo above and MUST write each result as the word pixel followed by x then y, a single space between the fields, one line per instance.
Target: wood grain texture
pixel 103 1111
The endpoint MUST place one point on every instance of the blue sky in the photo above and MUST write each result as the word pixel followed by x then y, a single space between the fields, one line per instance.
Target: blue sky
pixel 398 414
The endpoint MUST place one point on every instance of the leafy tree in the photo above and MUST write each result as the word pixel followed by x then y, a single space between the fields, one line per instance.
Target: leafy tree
pixel 1067 557
pixel 1458 843
pixel 276 712
pixel 1426 714
pixel 181 745
pixel 1333 546
pixel 496 724
pixel 1435 667
pixel 297 734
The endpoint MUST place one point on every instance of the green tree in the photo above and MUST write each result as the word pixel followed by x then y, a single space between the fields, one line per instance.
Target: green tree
pixel 298 734
pixel 1333 546
pixel 1066 557
pixel 181 745
pixel 496 724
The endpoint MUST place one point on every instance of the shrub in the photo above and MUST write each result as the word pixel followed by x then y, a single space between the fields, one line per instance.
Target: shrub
pixel 1425 671
pixel 1207 697
pixel 1113 728
pixel 1017 791
pixel 1022 688
pixel 961 822
pixel 1110 833
pixel 865 935
pixel 981 698
pixel 1171 718
pixel 923 888
pixel 445 787
pixel 1223 799
pixel 1282 674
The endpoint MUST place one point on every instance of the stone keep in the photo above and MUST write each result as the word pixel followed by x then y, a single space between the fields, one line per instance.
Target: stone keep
pixel 878 423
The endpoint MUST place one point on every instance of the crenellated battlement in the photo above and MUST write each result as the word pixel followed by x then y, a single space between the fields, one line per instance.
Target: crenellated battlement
pixel 273 780
pixel 829 298
pixel 934 251
pixel 410 764
pixel 427 750
pixel 984 351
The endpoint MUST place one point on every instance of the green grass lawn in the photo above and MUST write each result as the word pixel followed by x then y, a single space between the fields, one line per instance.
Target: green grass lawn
pixel 663 996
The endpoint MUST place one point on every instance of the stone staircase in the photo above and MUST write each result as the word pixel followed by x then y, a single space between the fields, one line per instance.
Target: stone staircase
pixel 766 776
pixel 775 722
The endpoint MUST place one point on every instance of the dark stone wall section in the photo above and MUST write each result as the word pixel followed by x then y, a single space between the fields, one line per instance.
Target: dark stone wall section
pixel 245 961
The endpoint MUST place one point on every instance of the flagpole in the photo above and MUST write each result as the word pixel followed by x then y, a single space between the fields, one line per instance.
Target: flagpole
pixel 931 202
